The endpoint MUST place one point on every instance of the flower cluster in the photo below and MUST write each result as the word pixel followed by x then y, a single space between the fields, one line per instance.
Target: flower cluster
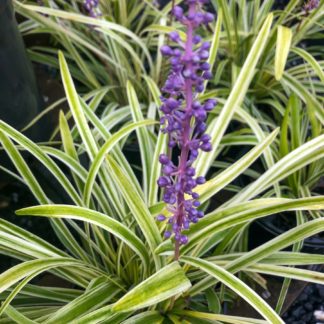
pixel 92 7
pixel 311 5
pixel 184 119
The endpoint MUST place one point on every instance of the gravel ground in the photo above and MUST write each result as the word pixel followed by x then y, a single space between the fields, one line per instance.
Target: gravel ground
pixel 308 304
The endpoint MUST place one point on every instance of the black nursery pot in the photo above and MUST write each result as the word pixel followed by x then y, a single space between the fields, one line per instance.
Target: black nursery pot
pixel 268 228
pixel 20 101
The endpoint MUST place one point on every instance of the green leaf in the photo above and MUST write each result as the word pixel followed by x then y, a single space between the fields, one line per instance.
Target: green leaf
pixel 104 150
pixel 103 129
pixel 136 205
pixel 295 160
pixel 161 145
pixel 214 304
pixel 23 169
pixel 17 317
pixel 219 125
pixel 87 215
pixel 216 38
pixel 165 283
pixel 214 185
pixel 76 108
pixel 236 285
pixel 223 219
pixel 85 303
pixel 288 272
pixel 284 37
pixel 301 90
pixel 101 315
pixel 38 153
pixel 80 172
pixel 212 318
pixel 311 60
pixel 143 138
pixel 280 242
pixel 278 258
pixel 32 269
pixel 145 317
pixel 16 291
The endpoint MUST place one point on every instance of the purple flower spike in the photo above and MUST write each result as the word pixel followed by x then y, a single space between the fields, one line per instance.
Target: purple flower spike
pixel 184 120
pixel 92 7
pixel 311 5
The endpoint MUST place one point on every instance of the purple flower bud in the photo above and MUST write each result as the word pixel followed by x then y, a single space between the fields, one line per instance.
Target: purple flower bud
pixel 166 50
pixel 174 36
pixel 190 171
pixel 177 237
pixel 205 46
pixel 207 75
pixel 194 153
pixel 200 180
pixel 196 39
pixel 160 218
pixel 200 214
pixel 187 73
pixel 175 227
pixel 164 159
pixel 194 144
pixel 196 58
pixel 177 187
pixel 175 61
pixel 177 52
pixel 196 105
pixel 172 200
pixel 204 55
pixel 201 127
pixel 200 88
pixel 167 234
pixel 205 138
pixel 168 169
pixel 172 143
pixel 210 104
pixel 172 103
pixel 184 239
pixel 186 224
pixel 208 18
pixel 191 16
pixel 206 147
pixel 200 114
pixel 195 195
pixel 311 5
pixel 196 203
pixel 205 66
pixel 163 182
pixel 177 12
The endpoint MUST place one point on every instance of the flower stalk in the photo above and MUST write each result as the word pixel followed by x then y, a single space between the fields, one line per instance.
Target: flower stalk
pixel 184 121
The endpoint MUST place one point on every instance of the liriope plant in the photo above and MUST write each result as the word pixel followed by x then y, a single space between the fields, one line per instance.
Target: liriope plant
pixel 115 257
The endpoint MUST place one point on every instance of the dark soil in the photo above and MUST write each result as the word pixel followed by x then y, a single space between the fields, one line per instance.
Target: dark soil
pixel 301 302
pixel 310 301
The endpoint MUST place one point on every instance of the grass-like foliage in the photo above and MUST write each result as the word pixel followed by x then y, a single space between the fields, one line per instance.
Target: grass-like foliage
pixel 115 260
